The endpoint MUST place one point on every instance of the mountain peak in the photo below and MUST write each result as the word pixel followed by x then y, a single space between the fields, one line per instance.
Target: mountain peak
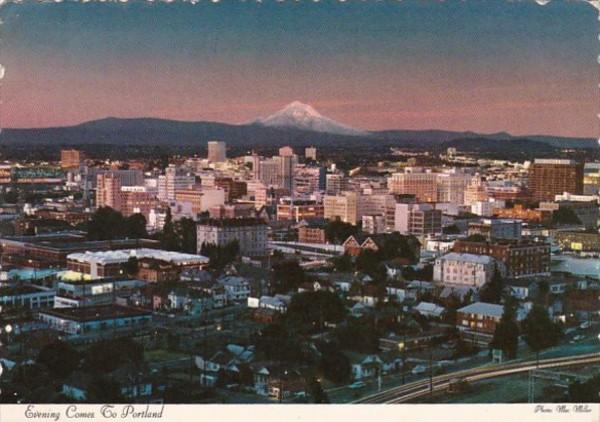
pixel 303 116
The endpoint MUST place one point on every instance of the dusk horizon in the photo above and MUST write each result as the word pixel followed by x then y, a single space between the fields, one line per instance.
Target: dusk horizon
pixel 481 67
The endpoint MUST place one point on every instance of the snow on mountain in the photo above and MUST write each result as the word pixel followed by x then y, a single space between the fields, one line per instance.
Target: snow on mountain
pixel 303 116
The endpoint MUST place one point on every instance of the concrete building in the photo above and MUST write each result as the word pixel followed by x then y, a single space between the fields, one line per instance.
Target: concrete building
pixel 520 258
pixel 493 229
pixel 108 191
pixel 71 158
pixel 417 219
pixel 310 153
pixel 110 263
pixel 344 207
pixel 92 319
pixel 174 179
pixel 414 181
pixel 335 183
pixel 549 177
pixel 464 269
pixel 299 209
pixel 217 151
pixel 591 179
pixel 201 199
pixel 250 233
pixel 451 186
pixel 373 224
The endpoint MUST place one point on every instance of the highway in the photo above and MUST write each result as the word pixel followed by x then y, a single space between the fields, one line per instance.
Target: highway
pixel 421 388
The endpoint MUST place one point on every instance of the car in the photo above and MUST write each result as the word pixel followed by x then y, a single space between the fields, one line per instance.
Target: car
pixel 419 369
pixel 358 384
pixel 585 325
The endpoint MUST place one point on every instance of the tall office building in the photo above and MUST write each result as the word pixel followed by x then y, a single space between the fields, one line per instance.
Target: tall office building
pixel 416 182
pixel 287 161
pixel 591 179
pixel 70 158
pixel 548 178
pixel 216 151
pixel 108 191
pixel 310 153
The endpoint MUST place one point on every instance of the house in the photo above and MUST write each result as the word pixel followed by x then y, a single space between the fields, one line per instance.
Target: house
pixel 364 365
pixel 228 359
pixel 355 244
pixel 135 384
pixel 479 316
pixel 396 290
pixel 287 385
pixel 429 310
pixel 309 286
pixel 522 288
pixel 237 288
pixel 391 361
pixel 458 292
pixel 358 310
pixel 189 300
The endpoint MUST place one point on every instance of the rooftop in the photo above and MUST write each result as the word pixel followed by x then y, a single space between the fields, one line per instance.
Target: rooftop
pixel 482 308
pixel 467 257
pixel 122 255
pixel 94 313
pixel 231 222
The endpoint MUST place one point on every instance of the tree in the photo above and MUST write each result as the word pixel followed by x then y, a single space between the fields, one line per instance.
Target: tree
pixel 585 392
pixel 313 309
pixel 105 224
pixel 104 390
pixel 506 336
pixel 134 226
pixel 492 291
pixel 60 358
pixel 334 365
pixel 287 276
pixel 370 263
pixel 108 355
pixel 342 263
pixel 316 391
pixel 275 342
pixel 131 266
pixel 185 229
pixel 476 238
pixel 540 331
pixel 168 237
pixel 565 216
pixel 220 256
pixel 451 229
pixel 337 231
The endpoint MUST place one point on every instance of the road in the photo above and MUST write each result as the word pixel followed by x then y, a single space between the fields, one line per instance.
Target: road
pixel 422 388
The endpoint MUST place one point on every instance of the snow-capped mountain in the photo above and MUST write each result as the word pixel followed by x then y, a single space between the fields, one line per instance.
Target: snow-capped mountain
pixel 303 116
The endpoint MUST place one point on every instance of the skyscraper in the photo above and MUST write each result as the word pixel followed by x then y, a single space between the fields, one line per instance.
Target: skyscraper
pixel 216 151
pixel 548 178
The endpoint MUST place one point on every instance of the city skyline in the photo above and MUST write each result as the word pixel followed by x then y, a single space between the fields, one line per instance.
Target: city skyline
pixel 485 67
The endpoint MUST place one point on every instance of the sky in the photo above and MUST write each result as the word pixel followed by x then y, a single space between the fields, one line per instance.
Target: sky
pixel 480 65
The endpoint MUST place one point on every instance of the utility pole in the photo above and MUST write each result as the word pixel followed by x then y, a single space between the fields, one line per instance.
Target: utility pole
pixel 403 356
pixel 431 369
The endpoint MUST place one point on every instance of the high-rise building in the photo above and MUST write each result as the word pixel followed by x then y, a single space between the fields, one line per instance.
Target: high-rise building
pixel 414 181
pixel 335 183
pixel 418 219
pixel 287 161
pixel 270 172
pixel 344 207
pixel 451 187
pixel 216 151
pixel 250 234
pixel 310 153
pixel 70 158
pixel 548 178
pixel 591 179
pixel 476 191
pixel 308 180
pixel 175 179
pixel 108 191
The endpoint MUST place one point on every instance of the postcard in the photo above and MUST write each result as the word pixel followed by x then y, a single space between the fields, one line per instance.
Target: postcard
pixel 299 209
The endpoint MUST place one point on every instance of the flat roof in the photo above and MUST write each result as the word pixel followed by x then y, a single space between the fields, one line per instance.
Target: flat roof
pixel 94 313
pixel 123 255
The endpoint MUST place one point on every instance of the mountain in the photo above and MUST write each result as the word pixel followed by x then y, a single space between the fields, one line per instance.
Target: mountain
pixel 295 125
pixel 304 117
